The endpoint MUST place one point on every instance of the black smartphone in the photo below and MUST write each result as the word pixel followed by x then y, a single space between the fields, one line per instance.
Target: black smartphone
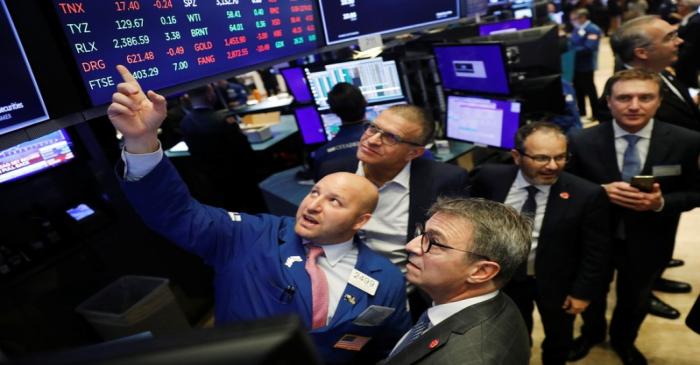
pixel 644 183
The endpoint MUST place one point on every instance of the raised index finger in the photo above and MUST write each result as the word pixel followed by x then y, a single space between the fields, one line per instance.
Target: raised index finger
pixel 129 78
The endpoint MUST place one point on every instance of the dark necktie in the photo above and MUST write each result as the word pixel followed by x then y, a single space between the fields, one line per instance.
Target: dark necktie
pixel 416 331
pixel 530 206
pixel 631 165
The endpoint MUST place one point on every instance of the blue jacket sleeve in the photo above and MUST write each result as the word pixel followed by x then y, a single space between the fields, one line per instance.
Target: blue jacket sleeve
pixel 164 203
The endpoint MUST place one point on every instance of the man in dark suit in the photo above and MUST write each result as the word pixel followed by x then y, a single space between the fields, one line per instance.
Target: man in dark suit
pixel 570 253
pixel 688 65
pixel 644 223
pixel 469 249
pixel 652 44
pixel 388 155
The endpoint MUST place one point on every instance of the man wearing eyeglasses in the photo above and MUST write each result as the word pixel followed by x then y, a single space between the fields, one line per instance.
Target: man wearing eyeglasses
pixel 388 155
pixel 570 248
pixel 644 220
pixel 468 250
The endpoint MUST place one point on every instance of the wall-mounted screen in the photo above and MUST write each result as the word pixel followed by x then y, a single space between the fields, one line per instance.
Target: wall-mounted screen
pixel 475 68
pixel 21 104
pixel 377 79
pixel 170 42
pixel 345 20
pixel 488 122
pixel 34 156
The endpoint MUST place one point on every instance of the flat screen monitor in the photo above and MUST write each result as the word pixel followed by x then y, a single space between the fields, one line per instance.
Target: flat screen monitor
pixel 377 79
pixel 21 104
pixel 345 20
pixel 534 51
pixel 506 26
pixel 541 95
pixel 474 68
pixel 331 122
pixel 310 125
pixel 522 13
pixel 482 121
pixel 296 84
pixel 167 42
pixel 34 156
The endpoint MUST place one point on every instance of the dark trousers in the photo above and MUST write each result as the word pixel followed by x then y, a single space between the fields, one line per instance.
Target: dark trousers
pixel 558 325
pixel 636 273
pixel 584 86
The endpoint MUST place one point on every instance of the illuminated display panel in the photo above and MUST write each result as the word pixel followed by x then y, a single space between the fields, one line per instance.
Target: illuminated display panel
pixel 345 20
pixel 21 104
pixel 170 42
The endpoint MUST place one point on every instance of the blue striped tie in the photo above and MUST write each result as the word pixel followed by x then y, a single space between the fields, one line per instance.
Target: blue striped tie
pixel 631 165
pixel 416 331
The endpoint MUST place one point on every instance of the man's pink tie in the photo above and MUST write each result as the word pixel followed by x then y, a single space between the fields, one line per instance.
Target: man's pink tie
pixel 319 288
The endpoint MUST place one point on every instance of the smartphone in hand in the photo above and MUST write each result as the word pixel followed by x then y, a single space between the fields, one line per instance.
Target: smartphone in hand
pixel 644 183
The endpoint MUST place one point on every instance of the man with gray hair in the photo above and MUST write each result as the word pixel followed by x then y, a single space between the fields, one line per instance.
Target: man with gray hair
pixel 688 65
pixel 468 250
pixel 651 44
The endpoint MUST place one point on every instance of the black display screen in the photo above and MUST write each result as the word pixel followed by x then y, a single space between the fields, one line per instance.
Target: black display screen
pixel 170 42
pixel 21 104
pixel 344 20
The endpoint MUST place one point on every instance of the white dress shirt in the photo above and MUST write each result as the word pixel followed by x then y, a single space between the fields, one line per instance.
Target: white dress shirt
pixel 337 263
pixel 386 230
pixel 517 195
pixel 139 165
pixel 642 143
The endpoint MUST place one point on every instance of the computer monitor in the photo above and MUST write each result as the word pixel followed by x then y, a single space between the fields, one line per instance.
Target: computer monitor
pixel 475 68
pixel 332 123
pixel 277 341
pixel 166 43
pixel 534 51
pixel 510 25
pixel 21 104
pixel 296 84
pixel 522 13
pixel 470 8
pixel 482 121
pixel 541 95
pixel 350 19
pixel 377 79
pixel 34 156
pixel 310 125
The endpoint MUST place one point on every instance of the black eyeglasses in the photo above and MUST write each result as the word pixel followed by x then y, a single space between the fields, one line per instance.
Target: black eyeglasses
pixel 544 159
pixel 389 138
pixel 427 241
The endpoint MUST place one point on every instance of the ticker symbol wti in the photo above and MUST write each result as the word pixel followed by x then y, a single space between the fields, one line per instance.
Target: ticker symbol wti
pixel 71 8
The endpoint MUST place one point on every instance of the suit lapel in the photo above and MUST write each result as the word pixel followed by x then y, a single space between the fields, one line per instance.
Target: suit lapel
pixel 658 147
pixel 557 205
pixel 292 246
pixel 346 310
pixel 503 183
pixel 605 145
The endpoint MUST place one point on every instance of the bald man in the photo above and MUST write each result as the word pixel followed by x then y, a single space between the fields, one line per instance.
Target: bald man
pixel 351 299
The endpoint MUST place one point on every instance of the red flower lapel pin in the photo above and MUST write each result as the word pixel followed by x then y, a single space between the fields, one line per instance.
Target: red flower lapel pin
pixel 433 344
pixel 564 195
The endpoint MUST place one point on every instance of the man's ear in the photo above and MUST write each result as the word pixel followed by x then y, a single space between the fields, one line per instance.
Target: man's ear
pixel 483 271
pixel 516 156
pixel 415 153
pixel 361 221
pixel 641 53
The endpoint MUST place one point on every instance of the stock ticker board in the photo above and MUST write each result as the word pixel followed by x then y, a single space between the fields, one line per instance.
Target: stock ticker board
pixel 170 42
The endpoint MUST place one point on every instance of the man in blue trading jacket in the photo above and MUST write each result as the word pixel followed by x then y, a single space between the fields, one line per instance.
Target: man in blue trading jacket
pixel 585 39
pixel 348 103
pixel 352 299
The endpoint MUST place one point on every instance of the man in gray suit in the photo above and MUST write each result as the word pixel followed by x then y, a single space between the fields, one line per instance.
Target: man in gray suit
pixel 469 249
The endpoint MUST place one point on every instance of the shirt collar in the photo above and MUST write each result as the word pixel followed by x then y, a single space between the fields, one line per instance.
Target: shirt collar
pixel 441 312
pixel 643 133
pixel 403 178
pixel 584 25
pixel 521 183
pixel 335 252
pixel 687 17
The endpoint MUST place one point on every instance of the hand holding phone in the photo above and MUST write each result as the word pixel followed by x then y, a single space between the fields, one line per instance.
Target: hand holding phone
pixel 644 183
